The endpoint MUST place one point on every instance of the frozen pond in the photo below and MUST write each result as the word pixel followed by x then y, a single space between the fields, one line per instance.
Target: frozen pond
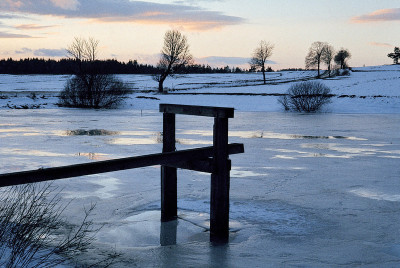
pixel 310 190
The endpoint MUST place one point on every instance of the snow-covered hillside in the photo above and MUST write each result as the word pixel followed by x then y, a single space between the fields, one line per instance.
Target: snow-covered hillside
pixel 367 90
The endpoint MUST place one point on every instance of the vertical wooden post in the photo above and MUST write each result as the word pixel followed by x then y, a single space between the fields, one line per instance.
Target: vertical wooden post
pixel 168 174
pixel 220 183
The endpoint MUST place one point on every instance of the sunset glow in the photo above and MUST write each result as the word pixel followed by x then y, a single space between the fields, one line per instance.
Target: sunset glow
pixel 227 30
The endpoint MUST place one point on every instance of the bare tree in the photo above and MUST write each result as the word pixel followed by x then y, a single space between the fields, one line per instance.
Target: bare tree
pixel 174 55
pixel 90 87
pixel 314 56
pixel 260 56
pixel 84 49
pixel 395 55
pixel 341 58
pixel 327 56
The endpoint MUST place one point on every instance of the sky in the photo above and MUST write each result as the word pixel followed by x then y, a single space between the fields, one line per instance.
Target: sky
pixel 220 32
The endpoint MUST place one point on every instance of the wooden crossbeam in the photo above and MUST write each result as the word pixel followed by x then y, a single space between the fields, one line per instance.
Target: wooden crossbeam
pixel 220 112
pixel 168 158
pixel 206 165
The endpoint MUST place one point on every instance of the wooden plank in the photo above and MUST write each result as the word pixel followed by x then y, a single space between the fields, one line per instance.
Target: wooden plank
pixel 220 184
pixel 221 112
pixel 63 172
pixel 169 195
pixel 196 165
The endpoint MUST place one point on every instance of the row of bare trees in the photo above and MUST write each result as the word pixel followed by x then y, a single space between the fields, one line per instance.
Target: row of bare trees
pixel 175 54
pixel 323 53
pixel 319 53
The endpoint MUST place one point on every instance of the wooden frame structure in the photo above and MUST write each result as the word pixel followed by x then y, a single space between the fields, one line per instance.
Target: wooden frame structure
pixel 213 159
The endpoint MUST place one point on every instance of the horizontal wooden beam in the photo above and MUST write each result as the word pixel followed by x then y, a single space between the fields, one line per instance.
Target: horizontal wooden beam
pixel 221 112
pixel 205 165
pixel 63 172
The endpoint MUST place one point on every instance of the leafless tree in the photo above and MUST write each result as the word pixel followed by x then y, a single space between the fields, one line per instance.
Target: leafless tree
pixel 327 56
pixel 260 56
pixel 174 55
pixel 90 88
pixel 341 58
pixel 84 49
pixel 314 56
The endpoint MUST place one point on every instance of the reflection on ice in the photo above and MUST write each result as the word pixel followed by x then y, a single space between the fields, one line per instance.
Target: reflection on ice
pixel 145 229
pixel 11 151
pixel 237 172
pixel 193 142
pixel 21 131
pixel 143 138
pixel 332 150
pixel 269 135
pixel 133 141
pixel 376 195
pixel 106 187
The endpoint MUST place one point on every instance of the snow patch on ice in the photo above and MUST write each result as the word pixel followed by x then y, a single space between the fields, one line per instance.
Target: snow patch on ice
pixel 371 194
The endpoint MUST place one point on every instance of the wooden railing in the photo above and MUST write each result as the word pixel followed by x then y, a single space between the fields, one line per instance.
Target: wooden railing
pixel 213 159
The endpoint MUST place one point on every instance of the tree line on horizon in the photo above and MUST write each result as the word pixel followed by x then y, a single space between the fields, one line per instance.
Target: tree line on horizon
pixel 110 66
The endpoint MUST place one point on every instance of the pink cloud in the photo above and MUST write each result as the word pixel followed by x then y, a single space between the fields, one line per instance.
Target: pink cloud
pixel 392 14
pixel 146 12
pixel 32 26
pixel 377 44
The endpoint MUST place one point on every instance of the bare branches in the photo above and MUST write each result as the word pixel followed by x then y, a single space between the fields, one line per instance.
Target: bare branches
pixel 90 88
pixel 314 55
pixel 260 56
pixel 83 49
pixel 33 232
pixel 174 55
pixel 307 96
pixel 327 56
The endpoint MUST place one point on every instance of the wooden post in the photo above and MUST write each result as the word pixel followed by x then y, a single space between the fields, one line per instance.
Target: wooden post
pixel 220 183
pixel 168 174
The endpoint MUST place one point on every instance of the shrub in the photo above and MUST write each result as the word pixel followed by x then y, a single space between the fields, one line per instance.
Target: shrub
pixel 33 232
pixel 342 72
pixel 93 91
pixel 307 96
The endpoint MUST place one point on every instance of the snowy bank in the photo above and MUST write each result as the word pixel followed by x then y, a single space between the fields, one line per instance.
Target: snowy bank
pixel 367 90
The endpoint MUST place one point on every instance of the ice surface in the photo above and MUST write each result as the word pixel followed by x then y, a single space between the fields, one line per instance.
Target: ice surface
pixel 311 190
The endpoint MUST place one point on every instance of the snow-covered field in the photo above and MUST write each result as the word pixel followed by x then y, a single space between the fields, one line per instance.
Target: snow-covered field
pixel 366 90
pixel 311 190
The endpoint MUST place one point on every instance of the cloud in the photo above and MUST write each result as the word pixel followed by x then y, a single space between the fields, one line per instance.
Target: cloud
pixel 380 44
pixel 32 26
pixel 185 16
pixel 50 52
pixel 66 4
pixel 392 14
pixel 11 35
pixel 23 50
pixel 194 2
pixel 6 16
pixel 43 52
